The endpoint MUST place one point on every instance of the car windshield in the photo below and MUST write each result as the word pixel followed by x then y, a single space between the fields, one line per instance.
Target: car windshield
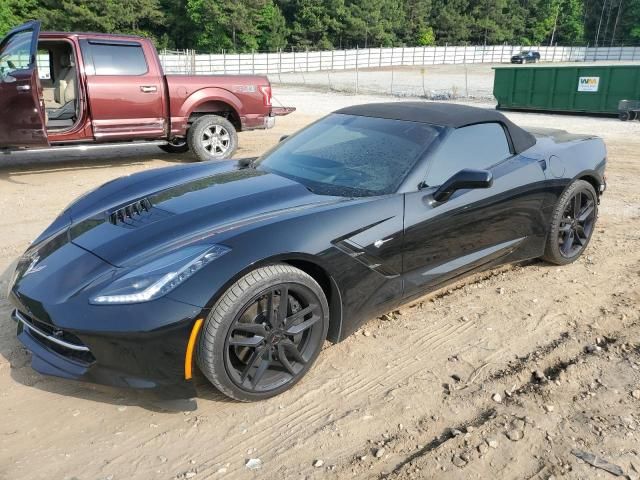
pixel 349 155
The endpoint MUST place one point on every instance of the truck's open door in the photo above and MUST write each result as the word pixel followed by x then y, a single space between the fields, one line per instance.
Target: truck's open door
pixel 22 120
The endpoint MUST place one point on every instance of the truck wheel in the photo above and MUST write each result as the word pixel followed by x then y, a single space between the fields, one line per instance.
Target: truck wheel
pixel 212 138
pixel 176 146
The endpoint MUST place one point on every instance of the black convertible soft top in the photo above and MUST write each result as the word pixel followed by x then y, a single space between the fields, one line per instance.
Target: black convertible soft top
pixel 445 114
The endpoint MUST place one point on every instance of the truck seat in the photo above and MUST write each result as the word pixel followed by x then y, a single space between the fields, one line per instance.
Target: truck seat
pixel 63 106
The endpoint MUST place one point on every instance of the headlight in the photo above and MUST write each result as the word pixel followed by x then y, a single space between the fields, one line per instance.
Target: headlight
pixel 159 277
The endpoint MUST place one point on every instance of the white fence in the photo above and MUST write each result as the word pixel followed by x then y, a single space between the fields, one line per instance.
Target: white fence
pixel 313 61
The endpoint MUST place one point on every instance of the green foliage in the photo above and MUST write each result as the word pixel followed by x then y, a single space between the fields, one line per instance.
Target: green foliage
pixel 272 28
pixel 250 25
pixel 426 37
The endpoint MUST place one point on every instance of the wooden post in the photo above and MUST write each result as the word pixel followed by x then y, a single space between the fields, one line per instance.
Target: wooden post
pixel 392 51
pixel 279 65
pixel 357 77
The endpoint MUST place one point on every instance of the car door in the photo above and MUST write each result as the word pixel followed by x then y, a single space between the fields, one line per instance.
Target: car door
pixel 21 106
pixel 125 90
pixel 475 227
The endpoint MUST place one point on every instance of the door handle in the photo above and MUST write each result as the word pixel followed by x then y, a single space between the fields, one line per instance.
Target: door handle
pixel 149 88
pixel 23 88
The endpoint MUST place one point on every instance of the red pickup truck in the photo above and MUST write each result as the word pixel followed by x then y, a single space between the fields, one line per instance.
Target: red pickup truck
pixel 60 89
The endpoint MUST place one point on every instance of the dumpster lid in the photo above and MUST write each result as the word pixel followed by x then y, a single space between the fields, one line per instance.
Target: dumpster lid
pixel 444 114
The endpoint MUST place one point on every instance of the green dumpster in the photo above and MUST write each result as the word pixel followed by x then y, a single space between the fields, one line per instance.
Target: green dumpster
pixel 579 88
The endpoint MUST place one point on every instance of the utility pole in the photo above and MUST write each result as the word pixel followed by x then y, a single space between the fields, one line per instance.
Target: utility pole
pixel 555 25
pixel 600 22
pixel 615 25
pixel 606 25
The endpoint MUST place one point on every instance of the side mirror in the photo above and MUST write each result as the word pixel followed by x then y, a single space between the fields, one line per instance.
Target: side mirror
pixel 283 138
pixel 467 178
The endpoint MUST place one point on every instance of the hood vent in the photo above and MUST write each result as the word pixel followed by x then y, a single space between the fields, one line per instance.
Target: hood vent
pixel 137 214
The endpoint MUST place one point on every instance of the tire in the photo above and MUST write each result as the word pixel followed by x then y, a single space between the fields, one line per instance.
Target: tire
pixel 177 146
pixel 218 132
pixel 239 337
pixel 572 223
pixel 624 116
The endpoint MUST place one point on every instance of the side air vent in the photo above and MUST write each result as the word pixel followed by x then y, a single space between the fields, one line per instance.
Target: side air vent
pixel 137 214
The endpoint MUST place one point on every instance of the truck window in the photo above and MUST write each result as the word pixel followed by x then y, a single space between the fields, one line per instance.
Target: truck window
pixel 44 63
pixel 111 59
pixel 16 53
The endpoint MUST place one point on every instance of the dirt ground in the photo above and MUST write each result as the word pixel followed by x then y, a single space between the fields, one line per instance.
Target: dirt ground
pixel 503 375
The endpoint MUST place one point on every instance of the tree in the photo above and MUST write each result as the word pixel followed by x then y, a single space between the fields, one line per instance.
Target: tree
pixel 15 12
pixel 416 26
pixel 140 17
pixel 570 28
pixel 451 22
pixel 272 27
pixel 7 18
pixel 226 24
pixel 315 23
pixel 426 37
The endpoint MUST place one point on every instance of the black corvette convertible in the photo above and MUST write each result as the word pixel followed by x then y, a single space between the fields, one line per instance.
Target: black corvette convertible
pixel 246 267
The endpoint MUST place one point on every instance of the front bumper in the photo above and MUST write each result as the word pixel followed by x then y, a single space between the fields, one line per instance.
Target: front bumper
pixel 138 358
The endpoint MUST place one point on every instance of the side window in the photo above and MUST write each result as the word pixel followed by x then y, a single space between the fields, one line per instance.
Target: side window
pixel 477 146
pixel 16 53
pixel 44 64
pixel 112 59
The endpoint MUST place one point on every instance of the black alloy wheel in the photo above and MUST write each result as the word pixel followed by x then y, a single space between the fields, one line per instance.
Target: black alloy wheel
pixel 264 333
pixel 573 223
pixel 273 339
pixel 577 224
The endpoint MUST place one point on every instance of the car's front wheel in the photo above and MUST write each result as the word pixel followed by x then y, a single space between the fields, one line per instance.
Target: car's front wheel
pixel 264 333
pixel 572 224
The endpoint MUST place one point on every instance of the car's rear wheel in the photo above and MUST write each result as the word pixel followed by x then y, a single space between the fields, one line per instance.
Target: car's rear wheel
pixel 572 224
pixel 212 137
pixel 178 145
pixel 264 333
